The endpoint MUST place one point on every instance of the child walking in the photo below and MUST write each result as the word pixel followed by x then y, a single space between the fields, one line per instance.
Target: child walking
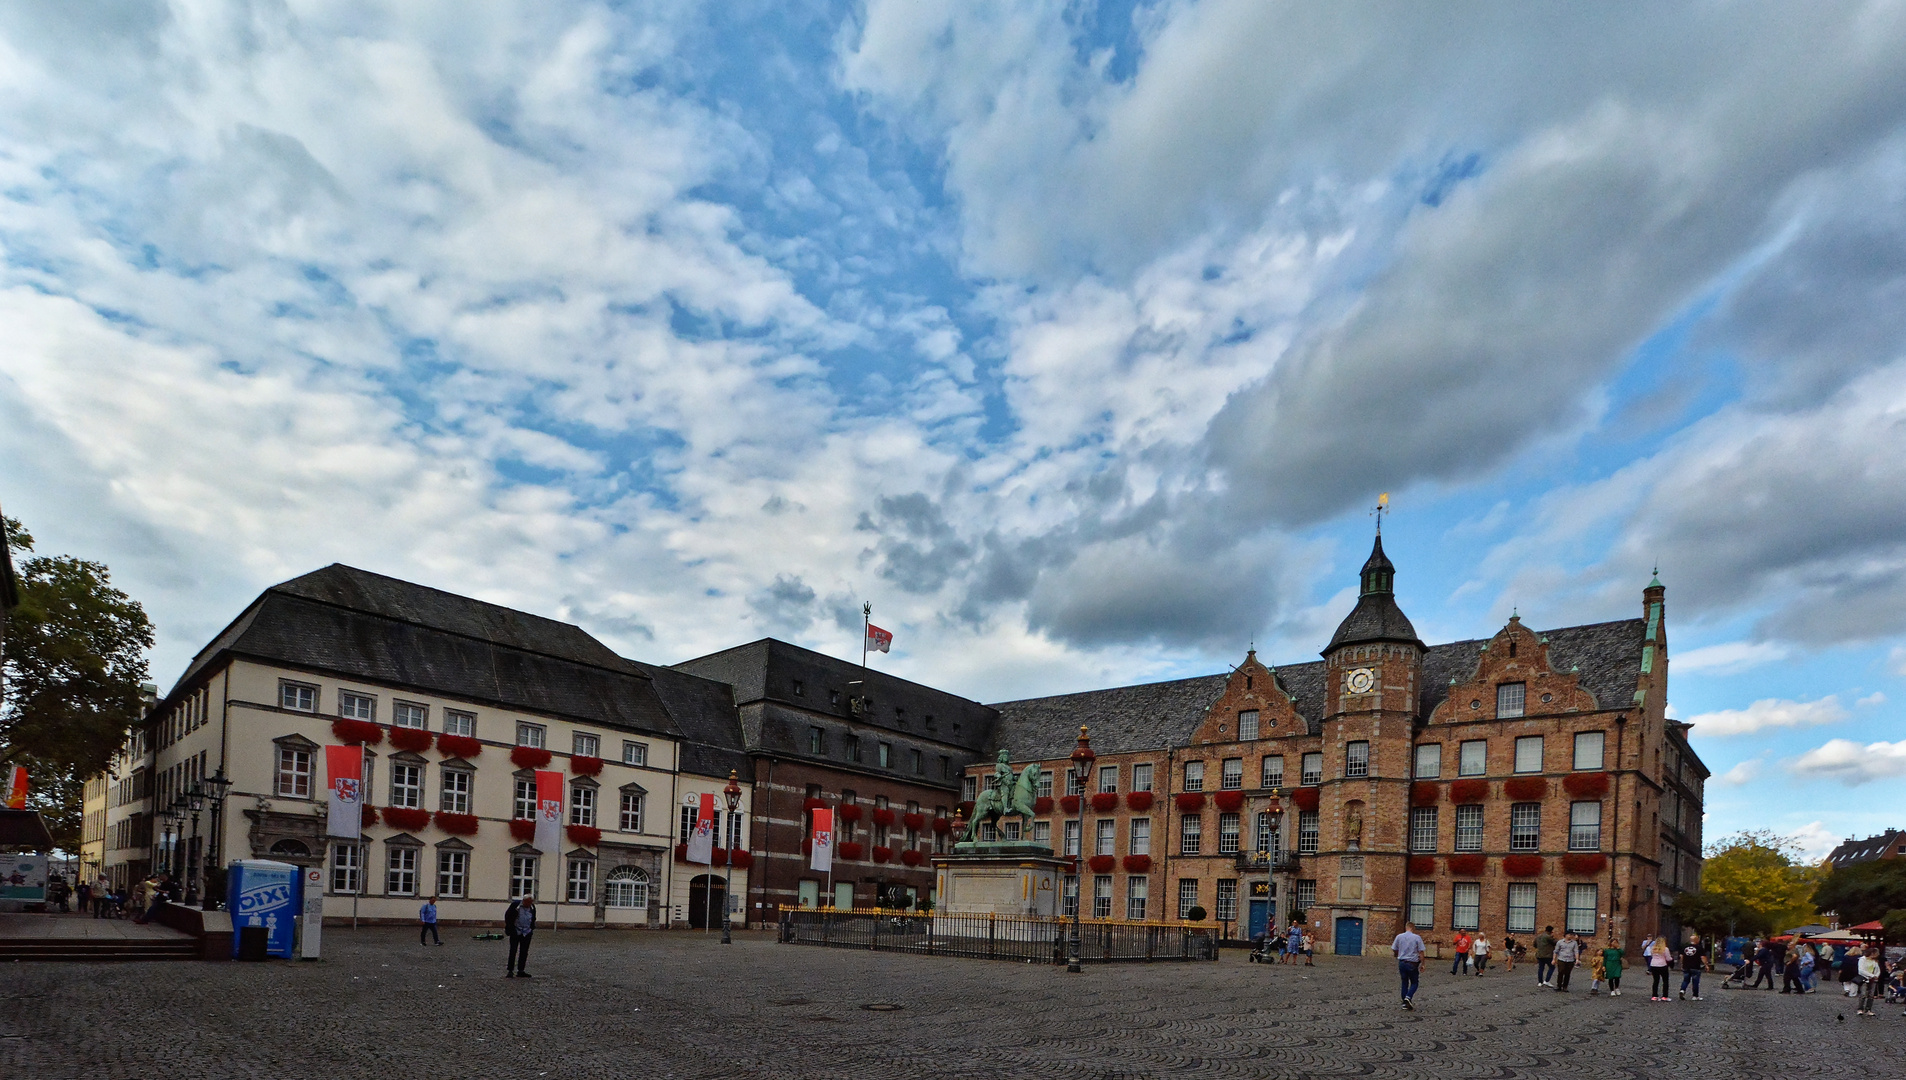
pixel 1597 971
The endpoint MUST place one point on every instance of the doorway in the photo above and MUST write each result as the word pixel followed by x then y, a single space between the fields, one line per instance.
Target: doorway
pixel 1260 918
pixel 705 901
pixel 1349 940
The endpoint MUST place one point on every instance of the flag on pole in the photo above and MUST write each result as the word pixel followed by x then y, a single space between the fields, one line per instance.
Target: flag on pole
pixel 822 858
pixel 344 769
pixel 16 787
pixel 877 639
pixel 549 811
pixel 701 843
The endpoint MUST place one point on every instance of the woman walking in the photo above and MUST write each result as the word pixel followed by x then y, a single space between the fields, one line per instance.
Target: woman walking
pixel 1790 972
pixel 1807 963
pixel 1611 966
pixel 1869 980
pixel 1479 949
pixel 1597 971
pixel 1511 952
pixel 1693 962
pixel 1567 951
pixel 1659 964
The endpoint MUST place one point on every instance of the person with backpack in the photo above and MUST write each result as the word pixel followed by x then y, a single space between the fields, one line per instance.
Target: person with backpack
pixel 519 925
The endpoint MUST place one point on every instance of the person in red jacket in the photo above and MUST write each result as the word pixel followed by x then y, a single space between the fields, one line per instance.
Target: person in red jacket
pixel 1461 965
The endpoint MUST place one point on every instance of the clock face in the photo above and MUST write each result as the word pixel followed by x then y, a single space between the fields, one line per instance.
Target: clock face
pixel 1361 680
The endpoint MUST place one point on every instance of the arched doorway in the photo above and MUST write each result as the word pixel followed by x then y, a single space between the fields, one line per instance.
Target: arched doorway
pixel 705 900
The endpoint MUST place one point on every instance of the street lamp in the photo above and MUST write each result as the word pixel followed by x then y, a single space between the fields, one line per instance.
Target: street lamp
pixel 216 785
pixel 167 818
pixel 733 794
pixel 194 801
pixel 1082 758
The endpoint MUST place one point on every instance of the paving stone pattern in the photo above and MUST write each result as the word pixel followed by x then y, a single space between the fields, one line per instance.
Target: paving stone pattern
pixel 680 1005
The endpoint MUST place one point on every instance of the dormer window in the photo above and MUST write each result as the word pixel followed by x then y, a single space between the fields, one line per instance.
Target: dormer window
pixel 1510 699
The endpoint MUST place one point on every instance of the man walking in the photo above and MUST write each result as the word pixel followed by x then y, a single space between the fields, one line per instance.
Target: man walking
pixel 1763 966
pixel 1693 962
pixel 519 925
pixel 1545 956
pixel 1567 951
pixel 427 922
pixel 1409 962
pixel 1461 964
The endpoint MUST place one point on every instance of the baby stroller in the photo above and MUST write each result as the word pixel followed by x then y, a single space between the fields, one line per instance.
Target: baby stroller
pixel 1266 949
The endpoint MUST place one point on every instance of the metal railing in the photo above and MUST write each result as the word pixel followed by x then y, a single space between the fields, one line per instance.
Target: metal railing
pixel 994 937
pixel 1276 861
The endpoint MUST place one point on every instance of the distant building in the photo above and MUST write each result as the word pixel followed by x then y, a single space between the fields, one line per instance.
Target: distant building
pixel 1890 844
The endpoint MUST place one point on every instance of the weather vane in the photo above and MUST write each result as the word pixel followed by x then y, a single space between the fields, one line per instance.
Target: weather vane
pixel 1383 507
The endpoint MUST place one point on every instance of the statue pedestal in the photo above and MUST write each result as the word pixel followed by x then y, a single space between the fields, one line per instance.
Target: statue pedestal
pixel 1007 877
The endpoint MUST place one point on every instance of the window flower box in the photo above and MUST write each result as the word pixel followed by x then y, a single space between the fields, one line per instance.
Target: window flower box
pixel 916 822
pixel 1584 863
pixel 1140 801
pixel 1104 802
pixel 357 732
pixel 1467 865
pixel 883 816
pixel 1042 805
pixel 1102 864
pixel 1586 785
pixel 1527 788
pixel 912 857
pixel 1190 802
pixel 1307 798
pixel 1422 866
pixel 1468 791
pixel 529 757
pixel 1425 793
pixel 367 814
pixel 851 850
pixel 942 825
pixel 585 765
pixel 814 804
pixel 883 854
pixel 1229 801
pixel 463 746
pixel 1138 864
pixel 462 824
pixel 405 818
pixel 1069 804
pixel 523 829
pixel 586 835
pixel 1522 865
pixel 415 740
pixel 848 812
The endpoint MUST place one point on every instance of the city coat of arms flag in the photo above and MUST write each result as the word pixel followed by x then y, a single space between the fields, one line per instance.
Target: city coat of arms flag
pixel 822 857
pixel 344 770
pixel 878 640
pixel 549 811
pixel 701 843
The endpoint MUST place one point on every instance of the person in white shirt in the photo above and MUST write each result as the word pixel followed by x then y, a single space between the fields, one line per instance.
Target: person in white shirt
pixel 1409 961
pixel 1869 980
pixel 1479 952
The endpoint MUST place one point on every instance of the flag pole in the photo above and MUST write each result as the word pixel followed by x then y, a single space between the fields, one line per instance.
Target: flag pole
pixel 866 621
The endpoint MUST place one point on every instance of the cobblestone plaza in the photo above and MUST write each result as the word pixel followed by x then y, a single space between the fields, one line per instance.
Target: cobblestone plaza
pixel 681 1005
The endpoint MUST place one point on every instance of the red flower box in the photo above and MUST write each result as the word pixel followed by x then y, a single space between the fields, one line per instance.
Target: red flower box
pixel 851 850
pixel 1070 804
pixel 1042 805
pixel 1229 801
pixel 530 757
pixel 883 854
pixel 743 859
pixel 585 765
pixel 399 817
pixel 1527 788
pixel 681 852
pixel 1522 865
pixel 1470 865
pixel 524 829
pixel 367 814
pixel 415 740
pixel 942 825
pixel 1190 802
pixel 1425 793
pixel 1422 866
pixel 849 812
pixel 912 857
pixel 814 804
pixel 463 824
pixel 586 835
pixel 463 746
pixel 1307 798
pixel 1138 864
pixel 357 732
pixel 1469 791
pixel 1104 802
pixel 883 816
pixel 1586 785
pixel 1585 862
pixel 1102 864
pixel 1140 801
pixel 966 808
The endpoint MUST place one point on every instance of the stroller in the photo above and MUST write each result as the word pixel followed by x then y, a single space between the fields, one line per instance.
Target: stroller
pixel 1267 949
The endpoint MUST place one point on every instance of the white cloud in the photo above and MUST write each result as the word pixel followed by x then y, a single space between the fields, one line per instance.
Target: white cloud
pixel 1742 773
pixel 1854 764
pixel 1815 840
pixel 1872 699
pixel 1729 656
pixel 1897 659
pixel 1769 713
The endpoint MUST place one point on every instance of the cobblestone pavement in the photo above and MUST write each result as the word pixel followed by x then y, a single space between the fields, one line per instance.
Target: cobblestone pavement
pixel 681 1005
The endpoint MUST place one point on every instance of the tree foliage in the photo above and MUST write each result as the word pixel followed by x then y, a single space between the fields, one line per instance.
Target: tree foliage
pixel 75 659
pixel 1715 915
pixel 1864 891
pixel 1763 873
pixel 1893 925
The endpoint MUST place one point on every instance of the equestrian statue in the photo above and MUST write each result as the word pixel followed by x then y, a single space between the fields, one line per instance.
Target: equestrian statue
pixel 1004 797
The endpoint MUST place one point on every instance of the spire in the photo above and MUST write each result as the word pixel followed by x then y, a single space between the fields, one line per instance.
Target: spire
pixel 1379 575
pixel 1376 616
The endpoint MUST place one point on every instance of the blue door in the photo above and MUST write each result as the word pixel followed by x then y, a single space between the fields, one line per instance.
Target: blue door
pixel 1260 915
pixel 1349 937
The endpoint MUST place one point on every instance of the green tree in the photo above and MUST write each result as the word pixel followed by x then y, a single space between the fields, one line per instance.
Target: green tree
pixel 1862 892
pixel 75 659
pixel 1893 925
pixel 1716 916
pixel 1762 872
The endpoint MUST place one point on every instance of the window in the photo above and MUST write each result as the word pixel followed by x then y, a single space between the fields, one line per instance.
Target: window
pixel 453 873
pixel 530 734
pixel 1075 784
pixel 406 785
pixel 1429 761
pixel 1227 898
pixel 628 887
pixel 1423 828
pixel 409 714
pixel 631 811
pixel 886 755
pixel 1069 902
pixel 1187 896
pixel 1588 750
pixel 1194 776
pixel 918 762
pixel 852 745
pixel 1581 909
pixel 297 696
pixel 1231 774
pixel 1190 834
pixel 525 803
pixel 1045 785
pixel 585 745
pixel 1106 842
pixel 356 706
pixel 456 791
pixel 1423 904
pixel 1303 895
pixel 1313 769
pixel 1585 826
pixel 1307 832
pixel 1271 775
pixel 459 723
pixel 1108 778
pixel 1466 906
pixel 1469 828
pixel 946 771
pixel 1139 836
pixel 1247 724
pixel 816 741
pixel 1141 778
pixel 1356 759
pixel 1525 827
pixel 1072 838
pixel 969 788
pixel 1137 890
pixel 345 867
pixel 1522 907
pixel 582 804
pixel 1473 758
pixel 1267 839
pixel 522 876
pixel 1102 896
pixel 1042 832
pixel 400 871
pixel 1529 754
pixel 1509 699
pixel 1228 829
pixel 294 773
pixel 582 881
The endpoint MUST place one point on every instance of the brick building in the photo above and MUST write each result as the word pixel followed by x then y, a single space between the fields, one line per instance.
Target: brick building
pixel 1504 784
pixel 1890 844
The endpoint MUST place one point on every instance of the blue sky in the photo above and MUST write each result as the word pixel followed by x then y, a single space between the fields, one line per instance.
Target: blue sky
pixel 1078 338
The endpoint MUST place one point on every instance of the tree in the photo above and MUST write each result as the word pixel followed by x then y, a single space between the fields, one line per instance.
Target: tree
pixel 1761 872
pixel 75 659
pixel 1716 916
pixel 1893 925
pixel 1864 891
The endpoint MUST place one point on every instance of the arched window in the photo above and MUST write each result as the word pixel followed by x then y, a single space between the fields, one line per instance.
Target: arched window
pixel 293 848
pixel 626 887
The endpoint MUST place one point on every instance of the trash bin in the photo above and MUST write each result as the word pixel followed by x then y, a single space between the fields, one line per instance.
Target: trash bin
pixel 253 942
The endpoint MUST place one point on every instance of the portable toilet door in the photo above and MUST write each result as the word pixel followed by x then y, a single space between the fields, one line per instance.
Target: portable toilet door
pixel 1349 940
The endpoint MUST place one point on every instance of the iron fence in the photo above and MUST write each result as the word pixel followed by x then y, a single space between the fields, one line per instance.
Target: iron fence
pixel 994 937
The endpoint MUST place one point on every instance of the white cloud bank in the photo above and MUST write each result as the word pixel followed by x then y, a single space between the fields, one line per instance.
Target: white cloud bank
pixel 1769 713
pixel 1854 764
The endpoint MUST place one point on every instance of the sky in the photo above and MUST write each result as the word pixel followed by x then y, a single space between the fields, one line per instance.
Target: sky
pixel 1078 338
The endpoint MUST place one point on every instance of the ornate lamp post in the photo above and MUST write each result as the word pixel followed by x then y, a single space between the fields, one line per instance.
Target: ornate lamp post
pixel 1082 758
pixel 732 793
pixel 215 787
pixel 169 816
pixel 1275 855
pixel 194 801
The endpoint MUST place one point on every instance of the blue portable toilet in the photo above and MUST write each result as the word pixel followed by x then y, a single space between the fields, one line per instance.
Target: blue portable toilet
pixel 264 893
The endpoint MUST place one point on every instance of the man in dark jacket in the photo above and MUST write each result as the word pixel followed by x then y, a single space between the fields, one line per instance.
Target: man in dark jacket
pixel 519 925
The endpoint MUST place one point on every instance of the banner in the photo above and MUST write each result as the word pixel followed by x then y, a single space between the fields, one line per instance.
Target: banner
pixel 878 640
pixel 549 811
pixel 16 787
pixel 701 843
pixel 344 769
pixel 822 858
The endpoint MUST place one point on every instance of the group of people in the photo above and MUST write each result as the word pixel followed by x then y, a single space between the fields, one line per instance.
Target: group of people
pixel 1863 971
pixel 139 903
pixel 1556 960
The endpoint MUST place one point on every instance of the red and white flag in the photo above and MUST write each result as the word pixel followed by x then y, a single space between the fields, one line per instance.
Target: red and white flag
pixel 344 770
pixel 878 640
pixel 16 787
pixel 701 843
pixel 549 811
pixel 822 858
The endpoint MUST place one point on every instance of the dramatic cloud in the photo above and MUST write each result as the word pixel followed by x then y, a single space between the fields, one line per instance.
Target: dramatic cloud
pixel 1853 764
pixel 1769 713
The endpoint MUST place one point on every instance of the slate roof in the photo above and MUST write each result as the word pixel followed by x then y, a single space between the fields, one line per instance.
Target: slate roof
pixel 1873 847
pixel 704 711
pixel 1376 616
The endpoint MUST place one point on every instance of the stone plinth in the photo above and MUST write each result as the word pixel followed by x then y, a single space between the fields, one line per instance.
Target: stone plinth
pixel 1003 878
